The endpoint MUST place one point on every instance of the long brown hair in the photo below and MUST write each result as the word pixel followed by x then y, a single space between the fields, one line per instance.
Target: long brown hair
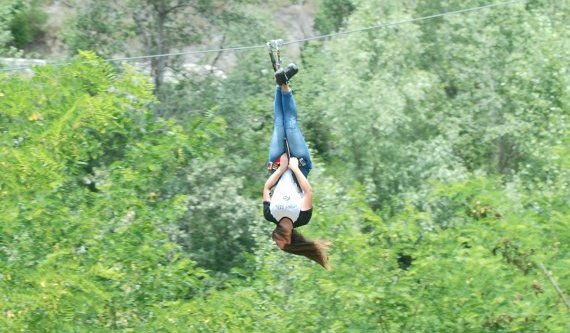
pixel 314 250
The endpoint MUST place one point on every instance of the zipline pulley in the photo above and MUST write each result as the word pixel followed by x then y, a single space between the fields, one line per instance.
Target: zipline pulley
pixel 274 53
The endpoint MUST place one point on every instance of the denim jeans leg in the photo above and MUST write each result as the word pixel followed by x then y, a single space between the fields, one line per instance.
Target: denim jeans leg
pixel 293 133
pixel 277 145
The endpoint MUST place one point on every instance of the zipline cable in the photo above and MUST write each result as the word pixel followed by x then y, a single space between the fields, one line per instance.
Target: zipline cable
pixel 239 48
pixel 417 19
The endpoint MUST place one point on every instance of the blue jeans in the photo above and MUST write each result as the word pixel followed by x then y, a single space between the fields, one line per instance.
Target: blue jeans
pixel 285 126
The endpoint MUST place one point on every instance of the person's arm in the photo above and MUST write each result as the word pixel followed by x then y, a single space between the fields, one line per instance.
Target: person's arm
pixel 267 212
pixel 307 202
pixel 274 178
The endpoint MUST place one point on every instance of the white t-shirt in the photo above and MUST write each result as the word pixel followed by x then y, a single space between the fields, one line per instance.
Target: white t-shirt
pixel 287 197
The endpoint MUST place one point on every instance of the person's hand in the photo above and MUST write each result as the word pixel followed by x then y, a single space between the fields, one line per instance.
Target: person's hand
pixel 293 163
pixel 284 161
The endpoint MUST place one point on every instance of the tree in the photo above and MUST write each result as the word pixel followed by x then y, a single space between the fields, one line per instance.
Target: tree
pixel 27 22
pixel 416 101
pixel 114 218
pixel 480 59
pixel 153 27
pixel 479 274
pixel 20 24
pixel 5 35
pixel 376 102
pixel 332 14
pixel 92 200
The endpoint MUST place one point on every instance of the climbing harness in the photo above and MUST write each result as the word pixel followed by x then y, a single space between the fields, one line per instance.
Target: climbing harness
pixel 274 165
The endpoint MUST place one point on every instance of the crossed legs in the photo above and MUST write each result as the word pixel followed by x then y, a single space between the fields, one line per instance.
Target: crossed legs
pixel 285 126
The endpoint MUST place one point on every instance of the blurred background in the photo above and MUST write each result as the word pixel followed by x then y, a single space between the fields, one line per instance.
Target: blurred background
pixel 133 143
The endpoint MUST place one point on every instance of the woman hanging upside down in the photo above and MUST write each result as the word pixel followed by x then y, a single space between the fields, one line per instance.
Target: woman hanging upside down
pixel 287 194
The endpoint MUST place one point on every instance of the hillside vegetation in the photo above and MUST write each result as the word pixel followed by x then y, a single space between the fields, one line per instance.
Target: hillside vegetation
pixel 441 152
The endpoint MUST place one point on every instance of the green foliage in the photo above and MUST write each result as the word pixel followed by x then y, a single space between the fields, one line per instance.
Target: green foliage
pixel 21 23
pixel 437 99
pixel 489 72
pixel 98 27
pixel 466 277
pixel 27 22
pixel 154 27
pixel 84 240
pixel 441 176
pixel 6 38
pixel 5 35
pixel 332 14
pixel 383 94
